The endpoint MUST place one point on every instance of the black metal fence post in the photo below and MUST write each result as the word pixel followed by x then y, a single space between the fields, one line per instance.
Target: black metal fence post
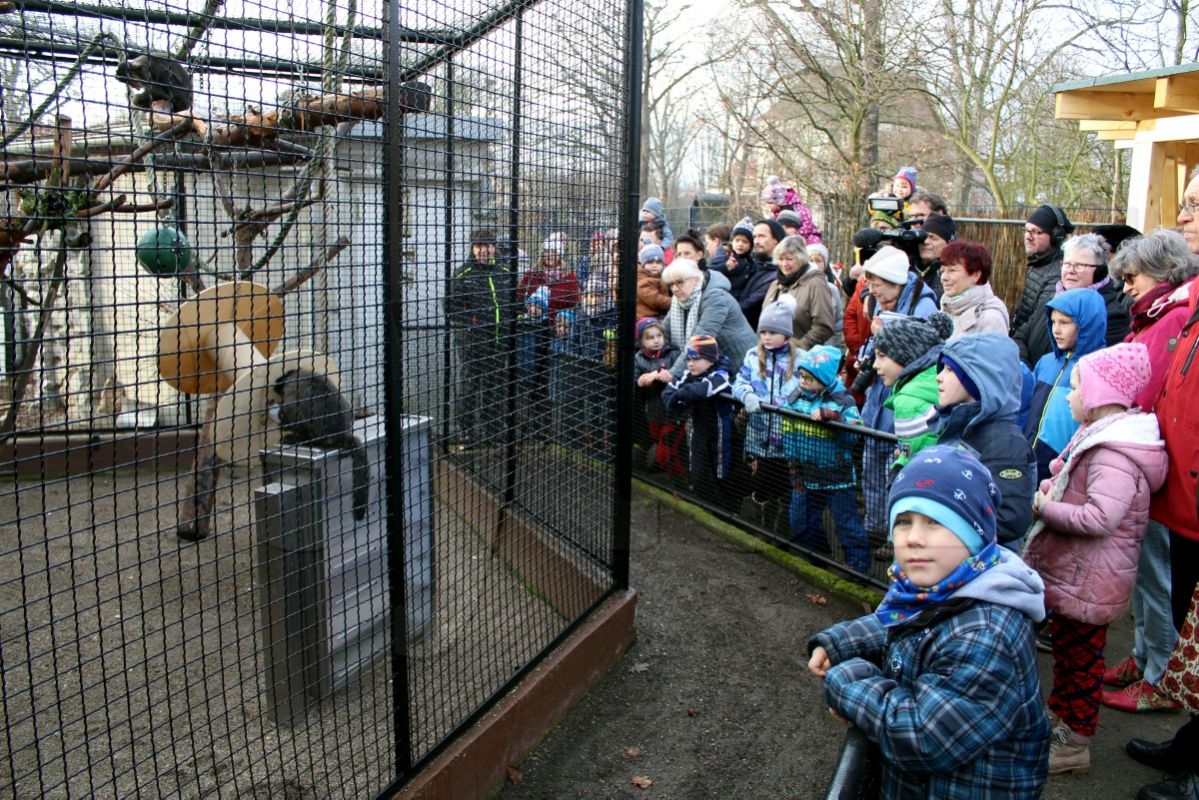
pixel 394 201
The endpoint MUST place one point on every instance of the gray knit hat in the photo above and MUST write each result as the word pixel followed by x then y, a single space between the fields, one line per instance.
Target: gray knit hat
pixel 905 340
pixel 779 316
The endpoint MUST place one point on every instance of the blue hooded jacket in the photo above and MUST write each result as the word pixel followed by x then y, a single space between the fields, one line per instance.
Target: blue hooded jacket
pixel 654 205
pixel 988 425
pixel 1050 426
pixel 824 455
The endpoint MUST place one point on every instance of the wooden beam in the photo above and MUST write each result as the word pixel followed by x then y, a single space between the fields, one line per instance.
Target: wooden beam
pixel 1144 185
pixel 1105 106
pixel 1089 125
pixel 1116 136
pixel 1177 93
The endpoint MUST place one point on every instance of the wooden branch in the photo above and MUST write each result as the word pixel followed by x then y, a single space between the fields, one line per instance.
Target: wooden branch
pixel 32 170
pixel 319 262
pixel 177 132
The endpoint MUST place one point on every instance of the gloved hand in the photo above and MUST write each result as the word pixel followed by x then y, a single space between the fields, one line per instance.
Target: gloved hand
pixel 752 404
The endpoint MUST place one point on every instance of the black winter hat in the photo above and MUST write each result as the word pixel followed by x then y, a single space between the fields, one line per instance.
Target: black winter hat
pixel 777 230
pixel 941 225
pixel 1115 235
pixel 905 340
pixel 482 236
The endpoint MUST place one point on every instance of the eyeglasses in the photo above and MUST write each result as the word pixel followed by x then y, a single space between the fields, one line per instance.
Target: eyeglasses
pixel 1075 266
pixel 1034 232
pixel 1190 209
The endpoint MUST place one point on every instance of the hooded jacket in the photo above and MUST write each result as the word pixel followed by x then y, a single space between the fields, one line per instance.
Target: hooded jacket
pixel 1088 548
pixel 480 300
pixel 653 298
pixel 824 454
pixel 988 426
pixel 914 303
pixel 1156 324
pixel 952 697
pixel 720 317
pixel 1034 340
pixel 1050 426
pixel 913 402
pixel 815 313
pixel 1040 283
pixel 710 433
pixel 654 206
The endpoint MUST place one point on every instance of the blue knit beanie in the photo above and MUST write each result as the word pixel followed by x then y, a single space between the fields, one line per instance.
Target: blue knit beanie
pixel 949 484
pixel 651 252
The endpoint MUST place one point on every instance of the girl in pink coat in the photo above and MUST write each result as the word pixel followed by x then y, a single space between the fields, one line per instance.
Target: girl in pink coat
pixel 1085 544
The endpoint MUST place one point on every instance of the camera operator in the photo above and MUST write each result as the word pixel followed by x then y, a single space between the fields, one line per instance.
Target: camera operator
pixel 939 230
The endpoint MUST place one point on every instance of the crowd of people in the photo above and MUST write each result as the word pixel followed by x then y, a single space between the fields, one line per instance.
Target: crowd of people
pixel 1037 468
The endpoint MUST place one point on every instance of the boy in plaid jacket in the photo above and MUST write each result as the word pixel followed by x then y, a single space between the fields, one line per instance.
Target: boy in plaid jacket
pixel 943 675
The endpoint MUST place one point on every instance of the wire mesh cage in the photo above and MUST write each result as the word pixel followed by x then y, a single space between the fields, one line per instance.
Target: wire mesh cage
pixel 308 388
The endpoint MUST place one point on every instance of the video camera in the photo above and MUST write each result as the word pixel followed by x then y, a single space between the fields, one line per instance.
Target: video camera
pixel 867 241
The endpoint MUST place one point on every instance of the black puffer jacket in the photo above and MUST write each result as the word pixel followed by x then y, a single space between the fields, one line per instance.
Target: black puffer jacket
pixel 1043 270
pixel 480 300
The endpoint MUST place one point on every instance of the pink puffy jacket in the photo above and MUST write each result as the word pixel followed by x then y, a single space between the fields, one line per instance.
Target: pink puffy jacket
pixel 1087 554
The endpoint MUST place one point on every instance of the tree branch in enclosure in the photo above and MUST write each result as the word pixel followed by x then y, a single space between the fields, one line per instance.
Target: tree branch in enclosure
pixel 316 265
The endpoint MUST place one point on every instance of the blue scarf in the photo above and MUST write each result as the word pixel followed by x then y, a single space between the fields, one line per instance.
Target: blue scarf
pixel 905 599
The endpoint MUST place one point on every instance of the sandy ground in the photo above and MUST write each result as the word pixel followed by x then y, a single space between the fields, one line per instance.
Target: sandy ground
pixel 714 699
pixel 134 664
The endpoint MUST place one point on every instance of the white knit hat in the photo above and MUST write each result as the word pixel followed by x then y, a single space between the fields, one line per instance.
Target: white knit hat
pixel 890 264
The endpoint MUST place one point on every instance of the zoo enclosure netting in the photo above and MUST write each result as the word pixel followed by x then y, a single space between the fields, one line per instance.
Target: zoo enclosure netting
pixel 253 397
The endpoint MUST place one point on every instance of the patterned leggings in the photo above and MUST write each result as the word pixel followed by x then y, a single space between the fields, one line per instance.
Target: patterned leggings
pixel 1077 672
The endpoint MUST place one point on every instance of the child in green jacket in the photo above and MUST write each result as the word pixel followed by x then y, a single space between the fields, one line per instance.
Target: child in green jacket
pixel 906 354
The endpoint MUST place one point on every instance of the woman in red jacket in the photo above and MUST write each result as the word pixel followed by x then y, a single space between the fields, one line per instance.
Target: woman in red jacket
pixel 552 272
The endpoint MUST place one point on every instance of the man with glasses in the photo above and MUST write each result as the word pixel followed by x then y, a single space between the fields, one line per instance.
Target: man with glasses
pixel 1044 231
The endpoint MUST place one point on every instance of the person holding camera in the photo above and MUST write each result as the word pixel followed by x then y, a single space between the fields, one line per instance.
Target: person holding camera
pixel 939 230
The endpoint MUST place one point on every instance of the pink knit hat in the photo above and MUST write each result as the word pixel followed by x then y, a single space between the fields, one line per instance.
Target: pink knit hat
pixel 1115 375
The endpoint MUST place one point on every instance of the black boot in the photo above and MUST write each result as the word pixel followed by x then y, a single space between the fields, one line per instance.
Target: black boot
pixel 1159 755
pixel 1183 787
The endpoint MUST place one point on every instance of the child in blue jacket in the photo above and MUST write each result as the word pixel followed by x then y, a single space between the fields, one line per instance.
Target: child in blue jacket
pixel 821 458
pixel 943 675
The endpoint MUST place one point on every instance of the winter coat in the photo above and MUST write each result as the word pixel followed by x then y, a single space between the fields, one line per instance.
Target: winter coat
pixel 976 310
pixel 931 275
pixel 988 426
pixel 916 300
pixel 651 395
pixel 1049 425
pixel 1040 283
pixel 736 269
pixel 720 317
pixel 764 433
pixel 754 293
pixel 913 402
pixel 564 291
pixel 815 315
pixel 856 325
pixel 479 301
pixel 1156 324
pixel 1089 542
pixel 711 427
pixel 1178 415
pixel 718 260
pixel 825 455
pixel 653 298
pixel 952 696
pixel 654 205
pixel 1036 338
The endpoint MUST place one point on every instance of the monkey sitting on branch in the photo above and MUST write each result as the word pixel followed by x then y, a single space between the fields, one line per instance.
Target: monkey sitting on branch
pixel 162 84
pixel 312 413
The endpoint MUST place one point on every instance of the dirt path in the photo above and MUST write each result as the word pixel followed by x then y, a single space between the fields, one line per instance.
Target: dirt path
pixel 715 697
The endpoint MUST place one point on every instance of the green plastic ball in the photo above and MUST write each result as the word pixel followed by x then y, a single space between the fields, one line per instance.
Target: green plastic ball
pixel 164 251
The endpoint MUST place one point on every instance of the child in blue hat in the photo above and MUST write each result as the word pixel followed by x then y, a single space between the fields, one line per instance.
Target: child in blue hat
pixel 943 675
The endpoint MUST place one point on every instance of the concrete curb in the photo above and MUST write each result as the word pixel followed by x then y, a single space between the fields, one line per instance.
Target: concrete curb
pixel 855 593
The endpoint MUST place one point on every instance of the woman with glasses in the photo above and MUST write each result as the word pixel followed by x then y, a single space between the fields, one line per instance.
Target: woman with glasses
pixel 1156 272
pixel 1084 266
